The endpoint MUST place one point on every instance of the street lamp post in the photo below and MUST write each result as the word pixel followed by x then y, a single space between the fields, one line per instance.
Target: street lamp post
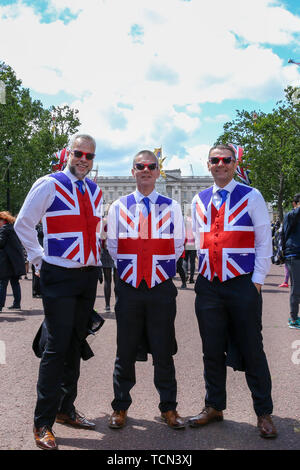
pixel 8 159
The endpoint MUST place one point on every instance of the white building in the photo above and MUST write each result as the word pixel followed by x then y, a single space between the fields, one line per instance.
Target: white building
pixel 175 186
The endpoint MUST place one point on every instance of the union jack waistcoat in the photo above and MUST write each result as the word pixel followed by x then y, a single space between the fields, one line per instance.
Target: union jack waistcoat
pixel 224 237
pixel 73 221
pixel 145 243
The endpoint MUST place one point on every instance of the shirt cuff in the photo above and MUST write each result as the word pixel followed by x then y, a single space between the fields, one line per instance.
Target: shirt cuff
pixel 258 278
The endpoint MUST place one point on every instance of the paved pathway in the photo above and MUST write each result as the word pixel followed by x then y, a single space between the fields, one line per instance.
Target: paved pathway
pixel 144 430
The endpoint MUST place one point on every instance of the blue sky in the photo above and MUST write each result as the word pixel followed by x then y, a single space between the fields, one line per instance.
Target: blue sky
pixel 146 73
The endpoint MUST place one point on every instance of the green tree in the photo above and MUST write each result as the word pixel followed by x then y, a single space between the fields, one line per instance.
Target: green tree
pixel 27 141
pixel 271 149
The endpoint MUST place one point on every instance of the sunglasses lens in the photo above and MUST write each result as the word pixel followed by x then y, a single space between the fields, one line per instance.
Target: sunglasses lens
pixel 139 166
pixel 214 160
pixel 227 160
pixel 79 154
pixel 152 166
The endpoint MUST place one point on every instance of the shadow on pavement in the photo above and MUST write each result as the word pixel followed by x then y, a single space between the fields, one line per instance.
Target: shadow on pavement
pixel 155 435
pixel 10 319
pixel 275 291
pixel 15 315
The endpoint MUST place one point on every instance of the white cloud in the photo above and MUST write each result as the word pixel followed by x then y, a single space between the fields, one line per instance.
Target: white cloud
pixel 218 118
pixel 195 162
pixel 188 53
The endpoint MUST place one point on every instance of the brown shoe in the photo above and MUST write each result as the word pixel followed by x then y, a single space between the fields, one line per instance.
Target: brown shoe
pixel 44 438
pixel 207 415
pixel 118 419
pixel 172 419
pixel 76 420
pixel 266 426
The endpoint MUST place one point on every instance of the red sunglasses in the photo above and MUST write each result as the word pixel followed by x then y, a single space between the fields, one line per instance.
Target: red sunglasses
pixel 141 166
pixel 79 154
pixel 216 160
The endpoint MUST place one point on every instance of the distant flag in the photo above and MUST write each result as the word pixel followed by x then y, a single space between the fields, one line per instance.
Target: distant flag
pixel 2 93
pixel 158 153
pixel 292 61
pixel 60 159
pixel 242 173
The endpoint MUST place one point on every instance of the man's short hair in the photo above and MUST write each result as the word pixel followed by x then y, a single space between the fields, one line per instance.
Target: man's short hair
pixel 222 147
pixel 147 152
pixel 296 198
pixel 86 137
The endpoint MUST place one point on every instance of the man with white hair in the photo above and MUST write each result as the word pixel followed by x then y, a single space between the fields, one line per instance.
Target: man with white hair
pixel 69 205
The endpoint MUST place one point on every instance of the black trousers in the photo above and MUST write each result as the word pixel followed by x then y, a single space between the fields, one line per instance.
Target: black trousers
pixel 190 256
pixel 108 274
pixel 150 311
pixel 180 270
pixel 236 305
pixel 68 298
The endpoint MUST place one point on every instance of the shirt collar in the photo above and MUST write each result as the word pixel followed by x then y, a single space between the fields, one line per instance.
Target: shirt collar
pixel 72 177
pixel 229 187
pixel 139 196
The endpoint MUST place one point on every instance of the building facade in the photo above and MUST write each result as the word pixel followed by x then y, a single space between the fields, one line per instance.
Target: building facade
pixel 175 186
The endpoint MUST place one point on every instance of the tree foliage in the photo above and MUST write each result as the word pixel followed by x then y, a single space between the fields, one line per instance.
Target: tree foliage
pixel 271 143
pixel 27 140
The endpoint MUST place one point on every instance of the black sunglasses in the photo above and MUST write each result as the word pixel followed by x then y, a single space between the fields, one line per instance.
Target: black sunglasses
pixel 79 154
pixel 150 166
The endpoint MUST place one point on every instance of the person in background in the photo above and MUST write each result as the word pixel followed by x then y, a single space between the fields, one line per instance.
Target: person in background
pixel 181 271
pixel 286 277
pixel 12 264
pixel 108 268
pixel 291 234
pixel 190 249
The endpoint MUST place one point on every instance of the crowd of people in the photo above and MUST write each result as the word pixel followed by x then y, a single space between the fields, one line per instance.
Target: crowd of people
pixel 141 245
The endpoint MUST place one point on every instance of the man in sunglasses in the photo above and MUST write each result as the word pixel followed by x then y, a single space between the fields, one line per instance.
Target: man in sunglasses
pixel 233 239
pixel 145 238
pixel 69 205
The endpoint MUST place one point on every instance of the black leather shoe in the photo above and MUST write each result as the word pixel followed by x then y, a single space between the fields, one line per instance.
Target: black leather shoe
pixel 14 307
pixel 76 420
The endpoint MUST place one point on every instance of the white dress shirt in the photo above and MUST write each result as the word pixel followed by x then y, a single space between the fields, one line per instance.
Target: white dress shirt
pixel 112 231
pixel 38 200
pixel 259 215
